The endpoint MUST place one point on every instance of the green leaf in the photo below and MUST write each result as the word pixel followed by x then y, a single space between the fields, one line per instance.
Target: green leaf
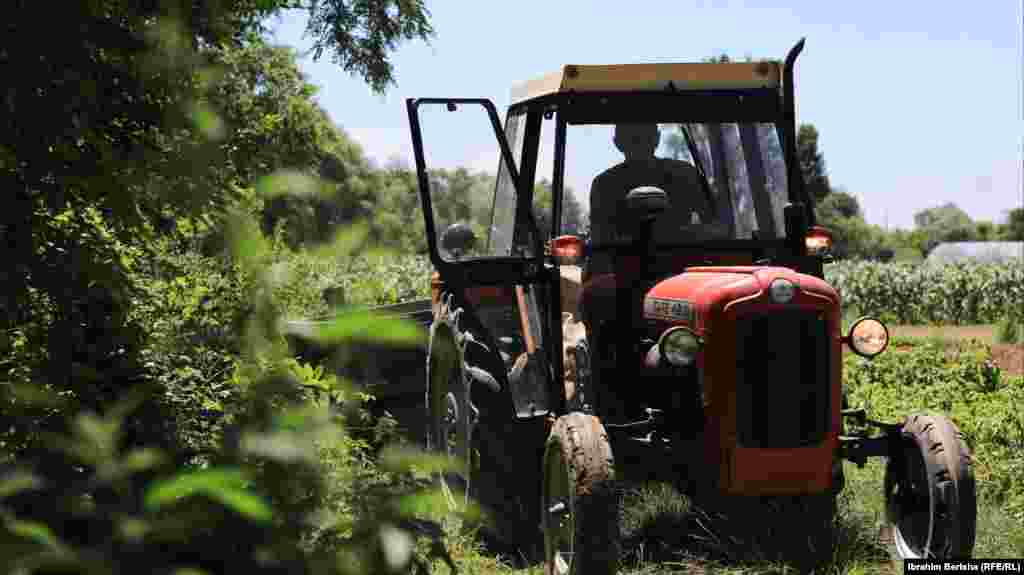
pixel 245 239
pixel 367 327
pixel 17 481
pixel 133 528
pixel 35 394
pixel 246 504
pixel 207 122
pixel 33 530
pixel 347 241
pixel 435 503
pixel 95 438
pixel 401 459
pixel 281 446
pixel 131 401
pixel 397 545
pixel 143 459
pixel 290 183
pixel 226 485
pixel 189 483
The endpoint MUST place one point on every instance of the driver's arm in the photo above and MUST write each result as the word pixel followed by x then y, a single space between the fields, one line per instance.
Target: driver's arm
pixel 691 191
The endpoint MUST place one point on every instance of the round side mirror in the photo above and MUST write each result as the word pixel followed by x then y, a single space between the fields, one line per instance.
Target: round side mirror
pixel 868 337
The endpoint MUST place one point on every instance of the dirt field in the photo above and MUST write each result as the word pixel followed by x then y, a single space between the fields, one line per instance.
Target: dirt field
pixel 1009 357
pixel 984 333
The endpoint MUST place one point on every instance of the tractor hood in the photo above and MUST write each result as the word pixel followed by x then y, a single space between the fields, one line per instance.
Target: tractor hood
pixel 694 296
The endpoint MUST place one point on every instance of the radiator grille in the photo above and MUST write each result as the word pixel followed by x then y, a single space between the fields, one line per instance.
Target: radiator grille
pixel 782 379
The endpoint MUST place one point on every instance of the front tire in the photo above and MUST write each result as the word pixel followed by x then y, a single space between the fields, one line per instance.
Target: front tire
pixel 931 504
pixel 579 504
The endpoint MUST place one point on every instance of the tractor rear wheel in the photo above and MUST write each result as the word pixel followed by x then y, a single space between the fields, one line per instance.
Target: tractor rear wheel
pixel 579 503
pixel 447 434
pixel 450 415
pixel 930 498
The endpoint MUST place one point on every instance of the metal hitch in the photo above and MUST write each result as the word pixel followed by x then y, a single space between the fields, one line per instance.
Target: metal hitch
pixel 860 416
pixel 858 448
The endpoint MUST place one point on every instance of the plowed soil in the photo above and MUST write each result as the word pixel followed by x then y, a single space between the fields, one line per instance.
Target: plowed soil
pixel 1009 357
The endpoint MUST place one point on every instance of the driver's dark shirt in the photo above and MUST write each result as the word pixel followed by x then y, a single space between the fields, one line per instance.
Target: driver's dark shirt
pixel 679 179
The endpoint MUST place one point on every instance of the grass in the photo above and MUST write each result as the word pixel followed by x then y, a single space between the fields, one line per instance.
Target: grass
pixel 663 534
pixel 998 535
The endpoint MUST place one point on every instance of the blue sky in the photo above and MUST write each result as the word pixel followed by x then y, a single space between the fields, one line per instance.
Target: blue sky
pixel 918 103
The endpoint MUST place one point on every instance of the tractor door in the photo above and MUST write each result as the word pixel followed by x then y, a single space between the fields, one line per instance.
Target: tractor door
pixel 493 297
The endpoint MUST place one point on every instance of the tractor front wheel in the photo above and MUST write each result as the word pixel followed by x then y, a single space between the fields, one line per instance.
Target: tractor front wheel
pixel 579 503
pixel 930 498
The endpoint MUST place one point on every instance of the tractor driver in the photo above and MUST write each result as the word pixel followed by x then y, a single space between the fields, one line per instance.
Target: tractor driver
pixel 688 203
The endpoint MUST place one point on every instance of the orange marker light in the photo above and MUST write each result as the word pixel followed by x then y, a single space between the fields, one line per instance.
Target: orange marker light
pixel 567 250
pixel 818 240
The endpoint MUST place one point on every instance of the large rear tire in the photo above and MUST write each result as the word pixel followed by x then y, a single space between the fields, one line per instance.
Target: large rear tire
pixel 499 456
pixel 450 414
pixel 579 503
pixel 931 504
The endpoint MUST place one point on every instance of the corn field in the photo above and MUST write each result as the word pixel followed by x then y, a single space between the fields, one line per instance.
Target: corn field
pixel 950 294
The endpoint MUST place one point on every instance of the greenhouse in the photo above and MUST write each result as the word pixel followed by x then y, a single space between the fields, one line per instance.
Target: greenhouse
pixel 981 252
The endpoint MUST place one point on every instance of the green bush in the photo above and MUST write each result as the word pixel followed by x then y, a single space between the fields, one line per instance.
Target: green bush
pixel 962 382
pixel 279 484
pixel 289 495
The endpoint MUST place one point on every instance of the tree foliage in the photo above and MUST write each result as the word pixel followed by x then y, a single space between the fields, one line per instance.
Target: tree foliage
pixel 945 223
pixel 839 203
pixel 574 218
pixel 1014 230
pixel 131 136
pixel 853 238
pixel 361 34
pixel 812 163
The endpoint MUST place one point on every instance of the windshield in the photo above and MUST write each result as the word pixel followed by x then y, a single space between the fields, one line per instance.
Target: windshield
pixel 503 210
pixel 724 181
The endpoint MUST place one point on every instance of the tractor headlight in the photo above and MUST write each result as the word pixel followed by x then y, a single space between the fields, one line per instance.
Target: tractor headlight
pixel 679 346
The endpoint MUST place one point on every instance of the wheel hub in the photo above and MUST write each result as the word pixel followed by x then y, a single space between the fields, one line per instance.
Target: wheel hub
pixel 911 496
pixel 449 423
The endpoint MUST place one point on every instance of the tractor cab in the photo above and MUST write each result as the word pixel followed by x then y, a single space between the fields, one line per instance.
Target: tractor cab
pixel 608 180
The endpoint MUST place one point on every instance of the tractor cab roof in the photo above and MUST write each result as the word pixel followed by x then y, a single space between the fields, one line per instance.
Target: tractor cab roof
pixel 578 79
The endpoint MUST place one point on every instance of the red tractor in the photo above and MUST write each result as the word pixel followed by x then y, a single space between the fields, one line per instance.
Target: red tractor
pixel 685 334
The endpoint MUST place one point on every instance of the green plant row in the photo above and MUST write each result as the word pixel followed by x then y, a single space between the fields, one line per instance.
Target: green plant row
pixel 956 294
pixel 959 293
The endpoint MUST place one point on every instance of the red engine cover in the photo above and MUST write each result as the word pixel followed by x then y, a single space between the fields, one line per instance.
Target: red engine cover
pixel 709 300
